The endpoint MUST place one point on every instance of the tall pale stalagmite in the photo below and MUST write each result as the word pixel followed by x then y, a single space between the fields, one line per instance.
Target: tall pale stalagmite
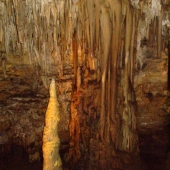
pixel 51 142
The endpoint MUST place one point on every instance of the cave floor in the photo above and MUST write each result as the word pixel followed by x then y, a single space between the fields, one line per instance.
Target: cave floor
pixel 18 163
pixel 153 162
pixel 153 156
pixel 18 160
pixel 153 150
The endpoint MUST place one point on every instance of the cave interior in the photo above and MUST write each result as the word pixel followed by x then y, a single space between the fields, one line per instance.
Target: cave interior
pixel 92 78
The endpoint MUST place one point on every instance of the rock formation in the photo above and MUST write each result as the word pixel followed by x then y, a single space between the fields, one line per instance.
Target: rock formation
pixel 110 62
pixel 51 141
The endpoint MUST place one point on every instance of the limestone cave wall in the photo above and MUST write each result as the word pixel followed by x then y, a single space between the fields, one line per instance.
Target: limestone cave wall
pixel 94 50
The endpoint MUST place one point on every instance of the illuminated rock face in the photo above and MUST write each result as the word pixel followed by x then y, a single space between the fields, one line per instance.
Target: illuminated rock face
pixel 93 49
pixel 51 141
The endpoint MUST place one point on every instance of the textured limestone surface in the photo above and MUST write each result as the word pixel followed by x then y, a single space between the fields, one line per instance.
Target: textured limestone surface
pixel 151 91
pixel 153 115
pixel 23 103
pixel 106 58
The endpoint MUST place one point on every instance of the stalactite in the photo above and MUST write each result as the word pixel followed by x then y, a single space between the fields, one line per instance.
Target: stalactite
pixel 108 126
pixel 106 37
pixel 116 15
pixel 54 14
pixel 1 31
pixel 87 30
pixel 125 117
pixel 97 38
pixel 141 3
pixel 15 3
pixel 159 35
pixel 132 64
pixel 90 5
pixel 127 47
pixel 97 15
pixel 74 46
pixel 34 12
pixel 6 37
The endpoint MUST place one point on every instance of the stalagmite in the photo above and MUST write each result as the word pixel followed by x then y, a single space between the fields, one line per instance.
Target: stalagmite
pixel 51 141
